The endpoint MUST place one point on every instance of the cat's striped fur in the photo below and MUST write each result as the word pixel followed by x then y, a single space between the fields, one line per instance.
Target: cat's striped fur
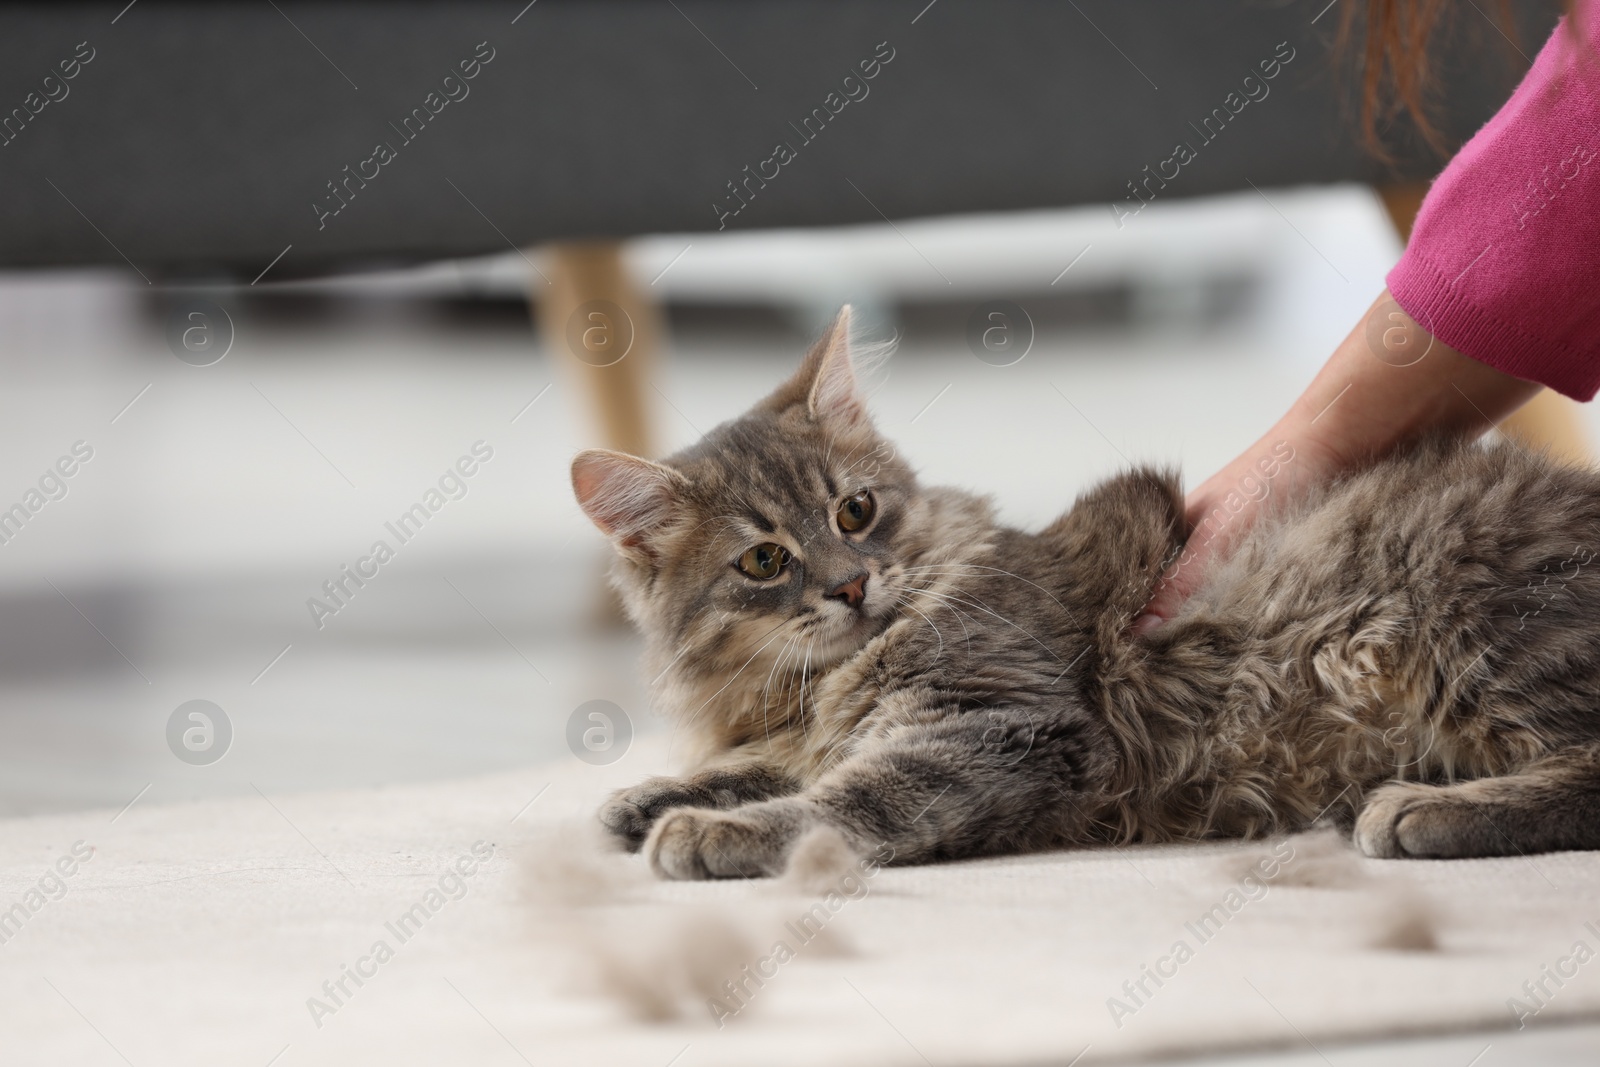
pixel 1414 650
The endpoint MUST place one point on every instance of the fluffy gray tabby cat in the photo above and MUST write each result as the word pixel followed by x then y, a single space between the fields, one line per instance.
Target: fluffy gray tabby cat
pixel 1415 649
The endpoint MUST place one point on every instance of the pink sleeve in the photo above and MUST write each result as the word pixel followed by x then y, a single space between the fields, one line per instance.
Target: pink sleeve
pixel 1504 262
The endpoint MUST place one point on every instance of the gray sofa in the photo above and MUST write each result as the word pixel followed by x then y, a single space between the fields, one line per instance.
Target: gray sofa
pixel 198 138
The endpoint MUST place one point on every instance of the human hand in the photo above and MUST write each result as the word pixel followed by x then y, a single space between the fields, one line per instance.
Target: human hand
pixel 1268 475
pixel 1388 382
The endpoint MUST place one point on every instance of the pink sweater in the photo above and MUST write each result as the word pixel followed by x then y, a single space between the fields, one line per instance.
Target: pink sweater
pixel 1504 262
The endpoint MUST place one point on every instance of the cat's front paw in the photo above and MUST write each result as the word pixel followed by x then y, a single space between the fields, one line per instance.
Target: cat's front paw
pixel 629 813
pixel 1409 819
pixel 693 844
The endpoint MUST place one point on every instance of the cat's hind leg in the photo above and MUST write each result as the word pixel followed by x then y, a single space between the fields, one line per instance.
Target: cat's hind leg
pixel 1553 804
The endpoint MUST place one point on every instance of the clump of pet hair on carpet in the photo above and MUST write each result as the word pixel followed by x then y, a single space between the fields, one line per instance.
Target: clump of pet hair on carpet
pixel 1319 859
pixel 1395 913
pixel 1404 919
pixel 662 960
pixel 591 905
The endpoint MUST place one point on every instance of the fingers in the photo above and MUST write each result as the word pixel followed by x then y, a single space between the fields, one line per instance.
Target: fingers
pixel 1162 606
pixel 1174 587
pixel 1147 622
pixel 1220 512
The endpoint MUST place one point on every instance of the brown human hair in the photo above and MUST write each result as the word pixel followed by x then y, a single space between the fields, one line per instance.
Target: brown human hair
pixel 1397 66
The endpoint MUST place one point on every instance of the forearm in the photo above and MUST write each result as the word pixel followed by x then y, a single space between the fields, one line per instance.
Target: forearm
pixel 1387 383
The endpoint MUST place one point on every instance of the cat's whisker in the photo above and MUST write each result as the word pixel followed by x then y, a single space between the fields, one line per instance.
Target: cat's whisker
pixel 738 672
pixel 940 651
pixel 797 686
pixel 959 591
pixel 766 705
pixel 961 616
pixel 827 458
pixel 805 672
pixel 942 568
pixel 974 602
pixel 778 662
pixel 851 469
pixel 729 522
pixel 670 664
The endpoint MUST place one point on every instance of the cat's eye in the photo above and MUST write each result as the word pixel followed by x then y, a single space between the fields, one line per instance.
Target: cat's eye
pixel 764 561
pixel 856 512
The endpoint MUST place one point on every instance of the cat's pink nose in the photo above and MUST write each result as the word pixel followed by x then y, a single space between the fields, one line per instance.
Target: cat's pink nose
pixel 852 592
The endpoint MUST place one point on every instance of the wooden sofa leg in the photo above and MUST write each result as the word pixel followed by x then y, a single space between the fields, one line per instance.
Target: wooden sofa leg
pixel 1549 420
pixel 603 329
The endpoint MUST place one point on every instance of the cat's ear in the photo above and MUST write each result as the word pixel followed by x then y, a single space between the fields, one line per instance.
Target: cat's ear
pixel 834 394
pixel 627 497
pixel 826 381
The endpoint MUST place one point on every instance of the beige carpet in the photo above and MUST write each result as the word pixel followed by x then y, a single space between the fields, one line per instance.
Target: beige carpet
pixel 198 934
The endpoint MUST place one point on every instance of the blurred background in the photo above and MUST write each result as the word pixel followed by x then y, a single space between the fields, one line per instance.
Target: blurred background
pixel 272 357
